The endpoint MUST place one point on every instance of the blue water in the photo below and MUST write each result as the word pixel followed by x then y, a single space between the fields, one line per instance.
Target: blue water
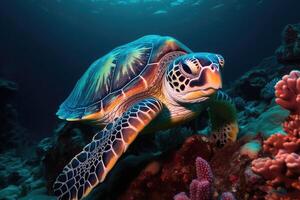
pixel 47 45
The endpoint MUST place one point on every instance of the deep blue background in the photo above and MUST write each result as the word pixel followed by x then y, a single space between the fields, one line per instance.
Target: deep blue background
pixel 45 45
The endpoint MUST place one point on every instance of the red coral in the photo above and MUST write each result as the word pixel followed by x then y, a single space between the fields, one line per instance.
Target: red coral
pixel 287 92
pixel 162 179
pixel 292 124
pixel 282 167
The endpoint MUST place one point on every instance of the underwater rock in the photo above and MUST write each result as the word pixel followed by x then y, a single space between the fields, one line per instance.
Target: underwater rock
pixel 240 103
pixel 57 151
pixel 176 135
pixel 251 149
pixel 289 51
pixel 18 176
pixel 10 130
pixel 11 192
pixel 268 92
pixel 259 81
pixel 266 124
pixel 252 82
pixel 43 147
pixel 7 89
pixel 38 194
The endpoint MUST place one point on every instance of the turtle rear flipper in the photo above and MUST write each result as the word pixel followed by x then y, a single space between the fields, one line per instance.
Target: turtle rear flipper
pixel 91 166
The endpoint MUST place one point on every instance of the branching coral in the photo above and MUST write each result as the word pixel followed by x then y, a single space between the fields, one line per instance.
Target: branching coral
pixel 282 167
pixel 287 92
pixel 200 188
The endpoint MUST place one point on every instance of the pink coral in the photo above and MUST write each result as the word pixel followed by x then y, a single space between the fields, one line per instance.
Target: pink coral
pixel 203 170
pixel 200 188
pixel 287 92
pixel 282 167
pixel 292 124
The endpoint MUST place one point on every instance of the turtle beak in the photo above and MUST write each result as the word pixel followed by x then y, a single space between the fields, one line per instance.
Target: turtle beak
pixel 208 79
pixel 206 85
pixel 213 79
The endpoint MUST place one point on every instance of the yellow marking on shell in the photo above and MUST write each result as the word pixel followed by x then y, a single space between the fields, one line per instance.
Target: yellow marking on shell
pixel 124 95
pixel 106 70
pixel 170 41
pixel 72 119
pixel 145 82
pixel 94 116
pixel 134 56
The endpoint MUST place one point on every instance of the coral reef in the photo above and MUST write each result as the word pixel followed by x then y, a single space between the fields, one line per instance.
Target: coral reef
pixel 171 173
pixel 163 178
pixel 281 166
pixel 161 165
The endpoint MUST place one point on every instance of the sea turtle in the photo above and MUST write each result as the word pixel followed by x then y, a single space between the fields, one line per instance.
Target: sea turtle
pixel 152 83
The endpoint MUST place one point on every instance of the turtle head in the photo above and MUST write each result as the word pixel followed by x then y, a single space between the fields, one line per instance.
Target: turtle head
pixel 194 77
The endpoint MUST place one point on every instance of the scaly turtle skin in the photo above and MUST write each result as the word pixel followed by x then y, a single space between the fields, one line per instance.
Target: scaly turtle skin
pixel 150 84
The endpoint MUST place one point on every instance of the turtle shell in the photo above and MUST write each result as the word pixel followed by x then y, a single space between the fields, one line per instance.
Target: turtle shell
pixel 125 71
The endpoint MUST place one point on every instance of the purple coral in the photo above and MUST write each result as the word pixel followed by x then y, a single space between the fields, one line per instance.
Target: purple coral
pixel 203 170
pixel 200 188
pixel 227 196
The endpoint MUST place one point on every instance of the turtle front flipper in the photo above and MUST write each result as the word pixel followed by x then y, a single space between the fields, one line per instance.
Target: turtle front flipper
pixel 223 119
pixel 91 166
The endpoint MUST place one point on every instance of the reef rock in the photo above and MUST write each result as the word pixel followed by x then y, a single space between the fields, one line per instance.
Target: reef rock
pixel 267 123
pixel 19 176
pixel 68 140
pixel 289 51
pixel 10 130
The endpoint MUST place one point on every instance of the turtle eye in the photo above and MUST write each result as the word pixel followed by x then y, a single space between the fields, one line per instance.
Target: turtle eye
pixel 186 68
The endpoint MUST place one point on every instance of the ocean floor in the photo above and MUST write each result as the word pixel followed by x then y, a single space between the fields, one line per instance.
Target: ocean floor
pixel 163 165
